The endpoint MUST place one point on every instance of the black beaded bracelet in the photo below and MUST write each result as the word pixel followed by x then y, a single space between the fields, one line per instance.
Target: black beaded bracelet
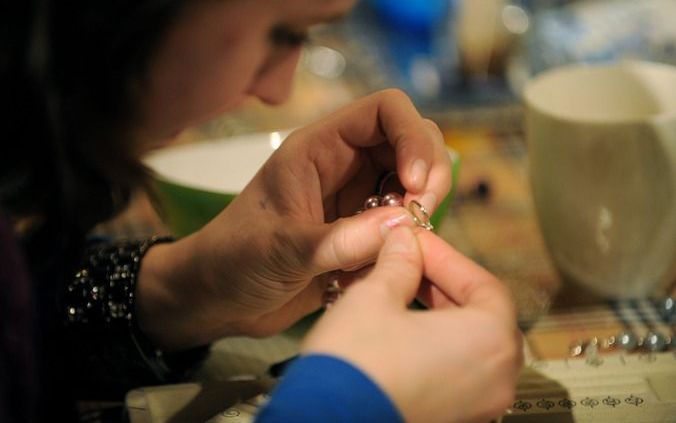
pixel 102 295
pixel 103 289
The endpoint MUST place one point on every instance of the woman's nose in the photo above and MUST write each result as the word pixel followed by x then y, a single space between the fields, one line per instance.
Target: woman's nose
pixel 273 85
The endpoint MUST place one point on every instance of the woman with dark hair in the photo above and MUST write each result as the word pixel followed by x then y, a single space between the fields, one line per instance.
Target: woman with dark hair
pixel 91 86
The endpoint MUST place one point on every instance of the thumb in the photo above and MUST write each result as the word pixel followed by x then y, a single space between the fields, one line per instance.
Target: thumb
pixel 352 242
pixel 399 266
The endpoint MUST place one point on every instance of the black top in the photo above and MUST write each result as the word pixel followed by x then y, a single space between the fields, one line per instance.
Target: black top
pixel 74 336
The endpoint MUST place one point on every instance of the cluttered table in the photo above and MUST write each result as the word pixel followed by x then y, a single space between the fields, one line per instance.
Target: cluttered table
pixel 577 366
pixel 587 358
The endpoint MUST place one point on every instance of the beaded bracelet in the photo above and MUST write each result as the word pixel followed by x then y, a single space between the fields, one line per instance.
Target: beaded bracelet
pixel 102 294
pixel 103 289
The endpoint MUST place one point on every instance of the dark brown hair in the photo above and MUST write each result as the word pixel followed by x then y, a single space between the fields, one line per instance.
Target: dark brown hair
pixel 73 72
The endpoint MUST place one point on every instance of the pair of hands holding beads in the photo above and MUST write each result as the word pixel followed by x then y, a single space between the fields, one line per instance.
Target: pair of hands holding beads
pixel 262 264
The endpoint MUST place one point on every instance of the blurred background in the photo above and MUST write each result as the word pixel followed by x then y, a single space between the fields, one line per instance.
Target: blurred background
pixel 463 62
pixel 455 56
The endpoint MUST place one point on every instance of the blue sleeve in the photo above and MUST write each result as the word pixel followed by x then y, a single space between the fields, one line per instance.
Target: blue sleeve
pixel 322 388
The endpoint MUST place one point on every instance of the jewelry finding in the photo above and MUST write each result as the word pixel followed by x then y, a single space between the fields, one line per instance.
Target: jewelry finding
pixel 420 215
pixel 418 212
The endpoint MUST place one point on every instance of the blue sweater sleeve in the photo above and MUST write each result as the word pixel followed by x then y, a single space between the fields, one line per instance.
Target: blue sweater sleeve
pixel 322 388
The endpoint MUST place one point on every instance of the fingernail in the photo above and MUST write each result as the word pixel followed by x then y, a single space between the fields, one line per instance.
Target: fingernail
pixel 399 241
pixel 429 201
pixel 419 171
pixel 402 219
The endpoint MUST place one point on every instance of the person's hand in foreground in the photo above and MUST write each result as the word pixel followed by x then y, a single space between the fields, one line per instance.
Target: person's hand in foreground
pixel 454 363
pixel 258 267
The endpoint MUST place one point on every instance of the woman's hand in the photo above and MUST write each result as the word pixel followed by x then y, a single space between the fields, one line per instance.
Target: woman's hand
pixel 260 265
pixel 458 362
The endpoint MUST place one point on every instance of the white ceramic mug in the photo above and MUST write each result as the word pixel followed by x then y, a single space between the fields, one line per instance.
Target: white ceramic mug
pixel 602 160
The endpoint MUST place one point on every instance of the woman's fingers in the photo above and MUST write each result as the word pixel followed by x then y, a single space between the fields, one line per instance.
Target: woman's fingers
pixel 352 242
pixel 428 143
pixel 461 280
pixel 411 138
pixel 385 118
pixel 399 267
pixel 450 277
pixel 432 297
pixel 422 162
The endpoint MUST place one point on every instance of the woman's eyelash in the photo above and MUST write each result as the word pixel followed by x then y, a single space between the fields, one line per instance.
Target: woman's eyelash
pixel 286 37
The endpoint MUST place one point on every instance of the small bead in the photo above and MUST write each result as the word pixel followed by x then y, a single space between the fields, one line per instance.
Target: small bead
pixel 576 348
pixel 655 342
pixel 627 341
pixel 668 310
pixel 392 199
pixel 608 343
pixel 372 202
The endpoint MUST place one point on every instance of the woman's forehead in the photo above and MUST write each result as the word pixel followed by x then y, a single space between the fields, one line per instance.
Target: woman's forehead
pixel 312 11
pixel 242 15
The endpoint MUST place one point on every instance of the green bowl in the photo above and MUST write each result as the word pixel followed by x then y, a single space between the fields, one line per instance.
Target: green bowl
pixel 194 182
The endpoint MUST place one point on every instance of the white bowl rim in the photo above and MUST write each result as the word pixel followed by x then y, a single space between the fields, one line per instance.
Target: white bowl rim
pixel 221 165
